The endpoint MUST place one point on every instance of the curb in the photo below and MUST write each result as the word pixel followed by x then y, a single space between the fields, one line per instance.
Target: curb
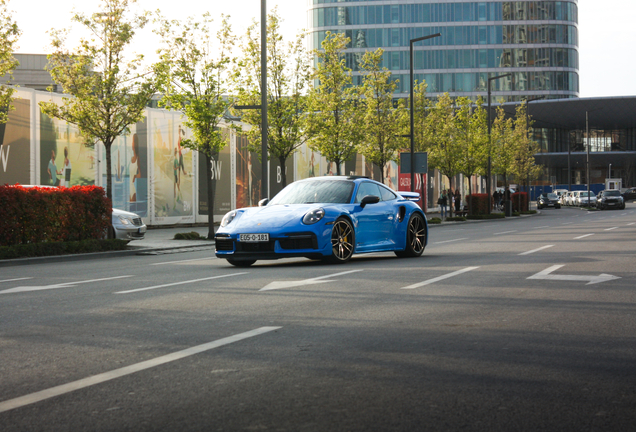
pixel 135 250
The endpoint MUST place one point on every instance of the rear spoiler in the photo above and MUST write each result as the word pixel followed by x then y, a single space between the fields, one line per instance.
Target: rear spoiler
pixel 410 196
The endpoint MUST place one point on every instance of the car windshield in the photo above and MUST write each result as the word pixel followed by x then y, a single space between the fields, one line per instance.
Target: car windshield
pixel 552 196
pixel 584 194
pixel 315 191
pixel 612 193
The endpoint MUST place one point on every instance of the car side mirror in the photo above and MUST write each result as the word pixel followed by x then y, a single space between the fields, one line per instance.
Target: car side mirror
pixel 369 199
pixel 263 202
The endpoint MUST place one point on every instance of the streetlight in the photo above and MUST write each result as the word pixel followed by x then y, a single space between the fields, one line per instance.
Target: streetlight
pixel 263 105
pixel 411 42
pixel 528 126
pixel 488 181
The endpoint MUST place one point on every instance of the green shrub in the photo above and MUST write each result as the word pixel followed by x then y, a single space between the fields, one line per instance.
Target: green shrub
pixel 189 236
pixel 60 248
pixel 456 219
pixel 435 220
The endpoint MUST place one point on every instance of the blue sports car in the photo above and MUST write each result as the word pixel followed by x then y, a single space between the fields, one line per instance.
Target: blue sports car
pixel 328 218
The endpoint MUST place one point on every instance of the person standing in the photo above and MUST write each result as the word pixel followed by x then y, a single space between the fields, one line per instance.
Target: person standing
pixel 52 170
pixel 458 201
pixel 450 202
pixel 442 201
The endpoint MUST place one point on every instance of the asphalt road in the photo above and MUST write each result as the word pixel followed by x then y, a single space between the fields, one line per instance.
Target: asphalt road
pixel 524 324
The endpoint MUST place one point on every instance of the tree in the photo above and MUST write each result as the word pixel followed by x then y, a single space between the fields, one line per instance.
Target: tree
pixel 194 78
pixel 108 91
pixel 288 75
pixel 333 122
pixel 9 33
pixel 383 123
pixel 472 134
pixel 503 145
pixel 524 165
pixel 444 149
pixel 421 109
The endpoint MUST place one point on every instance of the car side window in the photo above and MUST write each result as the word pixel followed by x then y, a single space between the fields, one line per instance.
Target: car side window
pixel 387 195
pixel 367 188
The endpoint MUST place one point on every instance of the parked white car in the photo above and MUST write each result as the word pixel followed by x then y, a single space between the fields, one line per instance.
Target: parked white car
pixel 561 193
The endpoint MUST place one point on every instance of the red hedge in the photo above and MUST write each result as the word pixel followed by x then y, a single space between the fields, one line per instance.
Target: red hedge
pixel 38 214
pixel 478 204
pixel 520 202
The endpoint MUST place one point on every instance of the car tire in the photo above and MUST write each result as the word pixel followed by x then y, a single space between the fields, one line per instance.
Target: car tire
pixel 415 237
pixel 241 263
pixel 342 241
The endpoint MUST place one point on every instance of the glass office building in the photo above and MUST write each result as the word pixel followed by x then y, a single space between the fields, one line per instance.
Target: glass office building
pixel 536 41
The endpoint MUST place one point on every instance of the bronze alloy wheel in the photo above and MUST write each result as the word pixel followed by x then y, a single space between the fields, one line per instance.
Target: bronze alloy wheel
pixel 415 237
pixel 342 241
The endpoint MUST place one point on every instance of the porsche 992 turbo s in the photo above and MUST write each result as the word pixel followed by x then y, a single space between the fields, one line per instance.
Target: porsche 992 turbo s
pixel 329 218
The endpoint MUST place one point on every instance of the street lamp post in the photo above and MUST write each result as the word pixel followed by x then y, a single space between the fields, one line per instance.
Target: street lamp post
pixel 412 136
pixel 488 181
pixel 587 174
pixel 528 126
pixel 263 105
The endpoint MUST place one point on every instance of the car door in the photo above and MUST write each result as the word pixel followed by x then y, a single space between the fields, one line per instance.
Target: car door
pixel 374 221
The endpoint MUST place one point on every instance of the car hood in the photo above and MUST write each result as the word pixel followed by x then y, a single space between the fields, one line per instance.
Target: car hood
pixel 117 212
pixel 269 218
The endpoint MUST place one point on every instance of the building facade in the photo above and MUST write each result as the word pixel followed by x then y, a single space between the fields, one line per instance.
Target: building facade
pixel 535 41
pixel 31 73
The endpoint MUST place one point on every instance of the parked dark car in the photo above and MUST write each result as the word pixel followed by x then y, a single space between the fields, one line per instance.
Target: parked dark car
pixel 610 199
pixel 629 194
pixel 548 200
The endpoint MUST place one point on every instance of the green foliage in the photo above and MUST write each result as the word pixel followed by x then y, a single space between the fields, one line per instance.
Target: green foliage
pixel 109 93
pixel 523 164
pixel 193 78
pixel 9 33
pixel 333 120
pixel 383 122
pixel 486 216
pixel 288 78
pixel 444 149
pixel 456 219
pixel 435 220
pixel 193 235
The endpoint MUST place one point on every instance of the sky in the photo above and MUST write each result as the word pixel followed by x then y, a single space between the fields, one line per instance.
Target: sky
pixel 607 34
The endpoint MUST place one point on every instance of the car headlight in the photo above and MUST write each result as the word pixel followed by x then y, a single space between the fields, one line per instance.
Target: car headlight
pixel 124 220
pixel 313 216
pixel 228 218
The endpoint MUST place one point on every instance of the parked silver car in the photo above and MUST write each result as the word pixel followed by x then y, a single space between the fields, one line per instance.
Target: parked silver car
pixel 581 198
pixel 128 225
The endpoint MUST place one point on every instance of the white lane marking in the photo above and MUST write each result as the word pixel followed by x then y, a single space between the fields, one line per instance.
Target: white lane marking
pixel 547 226
pixel 437 279
pixel 545 274
pixel 17 279
pixel 127 370
pixel 536 250
pixel 505 232
pixel 610 229
pixel 56 286
pixel 583 236
pixel 567 223
pixel 450 241
pixel 290 284
pixel 173 262
pixel 179 283
pixel 631 223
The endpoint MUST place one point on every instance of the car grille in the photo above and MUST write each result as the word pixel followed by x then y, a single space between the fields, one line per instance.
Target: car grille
pixel 224 244
pixel 137 221
pixel 255 247
pixel 299 241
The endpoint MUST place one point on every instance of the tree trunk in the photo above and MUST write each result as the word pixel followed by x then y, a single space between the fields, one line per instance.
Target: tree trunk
pixel 337 167
pixel 211 184
pixel 109 190
pixel 283 171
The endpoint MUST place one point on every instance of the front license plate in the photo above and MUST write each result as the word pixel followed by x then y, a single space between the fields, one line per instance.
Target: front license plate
pixel 142 230
pixel 253 238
